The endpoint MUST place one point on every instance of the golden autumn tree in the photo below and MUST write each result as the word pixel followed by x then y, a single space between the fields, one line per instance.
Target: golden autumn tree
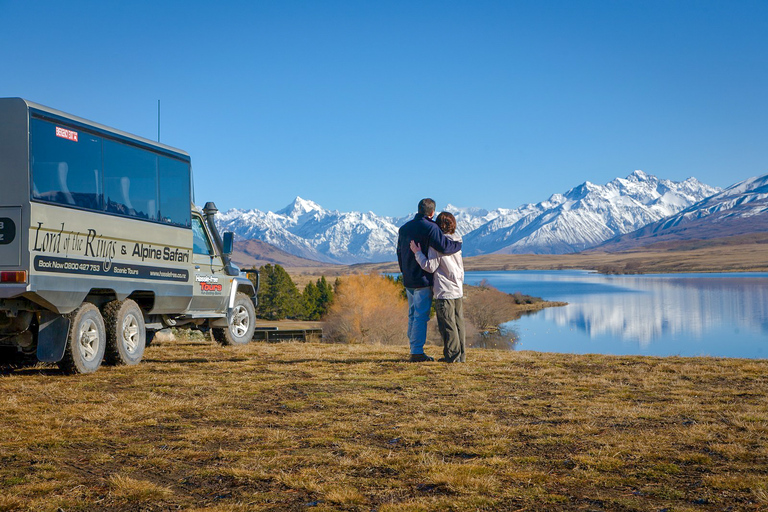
pixel 368 308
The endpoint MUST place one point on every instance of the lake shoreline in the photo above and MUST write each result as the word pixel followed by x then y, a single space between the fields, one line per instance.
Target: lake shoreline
pixel 657 315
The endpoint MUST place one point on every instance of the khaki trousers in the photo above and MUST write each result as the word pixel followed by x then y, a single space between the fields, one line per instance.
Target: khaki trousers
pixel 450 322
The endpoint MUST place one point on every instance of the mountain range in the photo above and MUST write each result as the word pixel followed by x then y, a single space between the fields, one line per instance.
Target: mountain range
pixel 740 209
pixel 581 218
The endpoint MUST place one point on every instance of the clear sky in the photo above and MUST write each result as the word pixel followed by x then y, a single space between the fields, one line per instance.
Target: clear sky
pixel 372 105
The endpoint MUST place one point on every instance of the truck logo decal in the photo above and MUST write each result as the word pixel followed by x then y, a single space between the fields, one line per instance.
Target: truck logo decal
pixel 209 285
pixel 130 270
pixel 95 245
pixel 155 253
pixel 7 230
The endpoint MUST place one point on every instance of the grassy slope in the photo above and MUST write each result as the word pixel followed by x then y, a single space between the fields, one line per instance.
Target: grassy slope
pixel 255 253
pixel 745 253
pixel 330 427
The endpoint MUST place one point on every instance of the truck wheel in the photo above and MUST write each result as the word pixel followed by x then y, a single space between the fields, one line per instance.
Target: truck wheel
pixel 242 321
pixel 126 334
pixel 85 340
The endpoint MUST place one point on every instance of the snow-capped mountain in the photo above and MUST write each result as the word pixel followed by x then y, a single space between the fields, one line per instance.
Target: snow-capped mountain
pixel 470 219
pixel 739 209
pixel 581 218
pixel 585 216
pixel 744 199
pixel 305 229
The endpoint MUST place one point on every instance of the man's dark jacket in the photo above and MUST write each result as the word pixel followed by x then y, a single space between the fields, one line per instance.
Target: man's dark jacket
pixel 425 232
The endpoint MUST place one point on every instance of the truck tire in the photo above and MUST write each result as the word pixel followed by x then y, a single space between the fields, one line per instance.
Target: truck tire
pixel 242 322
pixel 86 340
pixel 126 334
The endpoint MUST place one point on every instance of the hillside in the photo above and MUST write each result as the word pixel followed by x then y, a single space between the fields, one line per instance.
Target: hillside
pixel 255 253
pixel 304 426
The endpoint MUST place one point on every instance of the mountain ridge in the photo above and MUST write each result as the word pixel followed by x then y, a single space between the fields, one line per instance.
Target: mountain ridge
pixel 721 215
pixel 581 218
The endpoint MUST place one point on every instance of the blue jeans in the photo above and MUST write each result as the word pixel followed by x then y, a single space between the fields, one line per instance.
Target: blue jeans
pixel 419 304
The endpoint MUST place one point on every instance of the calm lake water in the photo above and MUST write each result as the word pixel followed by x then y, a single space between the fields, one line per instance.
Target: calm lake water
pixel 721 315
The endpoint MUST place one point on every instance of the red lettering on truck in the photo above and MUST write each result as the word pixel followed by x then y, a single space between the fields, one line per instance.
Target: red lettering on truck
pixel 66 134
pixel 207 287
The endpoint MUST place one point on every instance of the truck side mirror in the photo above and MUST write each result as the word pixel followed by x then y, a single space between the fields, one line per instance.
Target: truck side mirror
pixel 227 243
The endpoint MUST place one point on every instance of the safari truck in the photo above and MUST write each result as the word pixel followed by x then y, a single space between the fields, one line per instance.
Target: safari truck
pixel 101 245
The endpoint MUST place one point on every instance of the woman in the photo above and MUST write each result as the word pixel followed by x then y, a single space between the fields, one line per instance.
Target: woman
pixel 448 290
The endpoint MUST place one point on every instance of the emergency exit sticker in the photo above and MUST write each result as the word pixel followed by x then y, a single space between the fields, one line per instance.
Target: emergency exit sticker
pixel 66 134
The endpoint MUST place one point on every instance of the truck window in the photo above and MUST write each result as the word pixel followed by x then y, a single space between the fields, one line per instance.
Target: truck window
pixel 130 181
pixel 174 191
pixel 200 242
pixel 66 165
pixel 81 169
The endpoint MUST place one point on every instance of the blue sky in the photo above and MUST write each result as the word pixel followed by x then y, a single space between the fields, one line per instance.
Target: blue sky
pixel 372 105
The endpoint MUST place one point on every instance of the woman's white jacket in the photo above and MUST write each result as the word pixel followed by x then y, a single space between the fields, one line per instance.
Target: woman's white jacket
pixel 448 270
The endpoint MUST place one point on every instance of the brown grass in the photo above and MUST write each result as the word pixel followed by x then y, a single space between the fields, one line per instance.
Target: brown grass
pixel 293 426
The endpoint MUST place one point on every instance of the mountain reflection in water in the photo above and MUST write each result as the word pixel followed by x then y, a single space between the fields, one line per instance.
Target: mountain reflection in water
pixel 685 314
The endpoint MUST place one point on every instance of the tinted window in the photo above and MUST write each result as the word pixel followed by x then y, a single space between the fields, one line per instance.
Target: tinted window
pixel 76 168
pixel 66 165
pixel 130 181
pixel 174 191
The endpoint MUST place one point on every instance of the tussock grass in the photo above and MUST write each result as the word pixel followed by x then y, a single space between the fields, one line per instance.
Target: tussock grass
pixel 136 490
pixel 292 426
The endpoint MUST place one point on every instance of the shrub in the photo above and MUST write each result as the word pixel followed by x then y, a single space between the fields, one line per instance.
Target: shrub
pixel 367 308
pixel 487 308
pixel 521 298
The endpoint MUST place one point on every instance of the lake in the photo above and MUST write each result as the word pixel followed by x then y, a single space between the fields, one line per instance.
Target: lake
pixel 719 315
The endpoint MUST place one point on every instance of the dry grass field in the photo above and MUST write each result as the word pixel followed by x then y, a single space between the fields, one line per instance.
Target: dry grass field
pixel 293 426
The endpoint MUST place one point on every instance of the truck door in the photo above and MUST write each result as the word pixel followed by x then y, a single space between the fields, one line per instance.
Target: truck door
pixel 211 286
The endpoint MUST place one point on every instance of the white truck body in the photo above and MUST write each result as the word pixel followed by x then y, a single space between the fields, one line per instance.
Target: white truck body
pixel 95 222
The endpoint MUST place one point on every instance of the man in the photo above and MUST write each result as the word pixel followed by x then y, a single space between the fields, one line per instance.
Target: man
pixel 418 283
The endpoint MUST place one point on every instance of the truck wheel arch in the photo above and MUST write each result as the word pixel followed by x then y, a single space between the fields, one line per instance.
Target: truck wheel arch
pixel 241 322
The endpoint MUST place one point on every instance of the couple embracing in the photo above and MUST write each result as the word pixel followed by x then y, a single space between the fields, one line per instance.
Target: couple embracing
pixel 429 254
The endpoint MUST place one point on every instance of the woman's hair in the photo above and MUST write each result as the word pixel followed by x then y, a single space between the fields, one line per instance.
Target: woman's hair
pixel 446 222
